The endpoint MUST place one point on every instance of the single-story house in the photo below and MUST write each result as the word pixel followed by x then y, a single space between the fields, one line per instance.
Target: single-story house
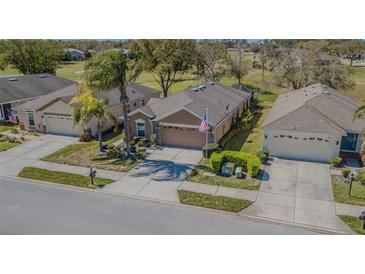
pixel 52 113
pixel 17 90
pixel 314 123
pixel 72 54
pixel 176 119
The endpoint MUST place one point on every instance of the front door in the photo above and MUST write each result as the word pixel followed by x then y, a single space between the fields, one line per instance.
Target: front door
pixel 349 142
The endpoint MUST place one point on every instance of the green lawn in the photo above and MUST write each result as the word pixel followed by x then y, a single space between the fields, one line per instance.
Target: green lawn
pixel 6 145
pixel 61 177
pixel 198 175
pixel 7 127
pixel 85 155
pixel 340 192
pixel 71 70
pixel 212 201
pixel 354 223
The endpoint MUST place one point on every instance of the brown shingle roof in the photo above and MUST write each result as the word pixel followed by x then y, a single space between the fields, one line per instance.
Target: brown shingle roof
pixel 221 101
pixel 316 108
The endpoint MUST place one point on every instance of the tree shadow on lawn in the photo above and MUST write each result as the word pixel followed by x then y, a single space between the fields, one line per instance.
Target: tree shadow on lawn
pixel 162 170
pixel 240 138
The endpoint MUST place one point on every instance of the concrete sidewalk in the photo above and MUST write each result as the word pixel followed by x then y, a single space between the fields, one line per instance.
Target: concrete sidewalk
pixel 351 210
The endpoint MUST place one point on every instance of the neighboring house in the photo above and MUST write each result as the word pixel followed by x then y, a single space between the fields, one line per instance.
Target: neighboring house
pixel 313 123
pixel 53 114
pixel 176 119
pixel 19 89
pixel 72 54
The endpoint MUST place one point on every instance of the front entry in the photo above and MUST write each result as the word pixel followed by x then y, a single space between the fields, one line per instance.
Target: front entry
pixel 349 142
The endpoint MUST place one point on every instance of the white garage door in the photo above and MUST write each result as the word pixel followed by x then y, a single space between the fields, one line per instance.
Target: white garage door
pixel 63 125
pixel 301 148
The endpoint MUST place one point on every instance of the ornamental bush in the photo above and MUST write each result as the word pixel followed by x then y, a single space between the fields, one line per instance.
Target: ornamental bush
pixel 335 161
pixel 346 171
pixel 250 163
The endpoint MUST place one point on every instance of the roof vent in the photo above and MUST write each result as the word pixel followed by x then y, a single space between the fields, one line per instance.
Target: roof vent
pixel 195 89
pixel 327 92
pixel 42 76
pixel 211 83
pixel 202 87
pixel 13 79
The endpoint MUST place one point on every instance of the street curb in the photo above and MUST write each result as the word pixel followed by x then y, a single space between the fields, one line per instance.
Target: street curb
pixel 218 212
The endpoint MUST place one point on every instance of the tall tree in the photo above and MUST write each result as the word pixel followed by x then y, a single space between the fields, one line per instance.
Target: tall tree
pixel 165 59
pixel 112 70
pixel 32 56
pixel 237 67
pixel 213 55
pixel 351 49
pixel 87 107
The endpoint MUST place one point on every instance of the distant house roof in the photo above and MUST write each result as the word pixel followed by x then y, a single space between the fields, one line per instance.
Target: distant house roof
pixel 316 108
pixel 220 100
pixel 30 86
pixel 134 91
pixel 73 50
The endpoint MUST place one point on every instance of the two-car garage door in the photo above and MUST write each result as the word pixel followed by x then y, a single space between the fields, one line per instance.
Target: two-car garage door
pixel 182 136
pixel 60 124
pixel 301 148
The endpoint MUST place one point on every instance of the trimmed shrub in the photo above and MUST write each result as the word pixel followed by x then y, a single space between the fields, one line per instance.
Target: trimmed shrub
pixel 154 139
pixel 142 142
pixel 211 148
pixel 346 171
pixel 216 161
pixel 249 162
pixel 335 161
pixel 85 137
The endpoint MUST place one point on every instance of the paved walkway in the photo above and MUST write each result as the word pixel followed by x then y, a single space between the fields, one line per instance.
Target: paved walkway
pixel 297 192
pixel 352 210
pixel 15 159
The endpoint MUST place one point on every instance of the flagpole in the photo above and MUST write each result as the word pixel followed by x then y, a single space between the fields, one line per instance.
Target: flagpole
pixel 206 134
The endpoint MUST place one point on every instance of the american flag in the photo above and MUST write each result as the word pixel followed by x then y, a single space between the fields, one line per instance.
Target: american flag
pixel 204 125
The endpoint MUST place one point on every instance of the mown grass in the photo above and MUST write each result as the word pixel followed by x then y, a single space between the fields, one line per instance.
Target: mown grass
pixel 354 223
pixel 6 145
pixel 86 155
pixel 212 201
pixel 61 177
pixel 341 190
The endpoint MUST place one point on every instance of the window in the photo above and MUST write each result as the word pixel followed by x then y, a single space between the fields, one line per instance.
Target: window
pixel 31 119
pixel 140 128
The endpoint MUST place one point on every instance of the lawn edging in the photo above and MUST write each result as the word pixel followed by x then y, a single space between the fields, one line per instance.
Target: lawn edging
pixel 61 177
pixel 212 201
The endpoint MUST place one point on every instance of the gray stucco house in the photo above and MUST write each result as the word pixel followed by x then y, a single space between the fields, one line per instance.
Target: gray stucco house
pixel 313 123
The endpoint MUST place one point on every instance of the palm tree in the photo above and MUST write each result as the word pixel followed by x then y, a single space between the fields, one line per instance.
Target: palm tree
pixel 87 107
pixel 112 70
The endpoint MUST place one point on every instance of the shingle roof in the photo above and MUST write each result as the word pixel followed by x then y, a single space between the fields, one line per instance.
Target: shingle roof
pixel 134 91
pixel 220 100
pixel 316 108
pixel 30 86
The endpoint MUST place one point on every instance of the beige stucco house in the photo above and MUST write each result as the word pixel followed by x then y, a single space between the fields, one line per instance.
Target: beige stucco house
pixel 176 119
pixel 53 114
pixel 313 123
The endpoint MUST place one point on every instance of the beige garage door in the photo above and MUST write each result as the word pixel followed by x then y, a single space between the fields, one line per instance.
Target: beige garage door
pixel 180 136
pixel 311 149
pixel 63 125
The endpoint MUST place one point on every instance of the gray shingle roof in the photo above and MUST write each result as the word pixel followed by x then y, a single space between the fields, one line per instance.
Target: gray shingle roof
pixel 316 108
pixel 30 86
pixel 134 91
pixel 221 101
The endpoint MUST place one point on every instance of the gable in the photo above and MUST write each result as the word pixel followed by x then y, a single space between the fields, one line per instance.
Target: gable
pixel 59 107
pixel 181 117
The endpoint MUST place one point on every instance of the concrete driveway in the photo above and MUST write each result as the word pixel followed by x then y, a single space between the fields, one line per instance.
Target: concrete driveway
pixel 297 192
pixel 13 160
pixel 159 175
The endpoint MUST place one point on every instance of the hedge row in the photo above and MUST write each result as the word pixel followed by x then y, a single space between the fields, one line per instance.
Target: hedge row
pixel 249 162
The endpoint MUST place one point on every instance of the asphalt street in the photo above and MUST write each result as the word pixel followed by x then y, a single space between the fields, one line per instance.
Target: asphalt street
pixel 37 208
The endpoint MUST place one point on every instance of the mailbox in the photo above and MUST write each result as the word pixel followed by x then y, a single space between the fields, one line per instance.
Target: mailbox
pixel 362 218
pixel 92 174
